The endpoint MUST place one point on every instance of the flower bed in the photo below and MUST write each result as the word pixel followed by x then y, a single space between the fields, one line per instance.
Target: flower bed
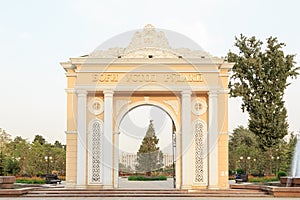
pixel 33 180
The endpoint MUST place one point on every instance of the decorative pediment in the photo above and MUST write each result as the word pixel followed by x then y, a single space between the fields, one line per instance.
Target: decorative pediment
pixel 149 37
pixel 149 43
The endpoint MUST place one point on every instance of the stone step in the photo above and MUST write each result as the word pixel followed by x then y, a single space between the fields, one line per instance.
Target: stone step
pixel 144 193
pixel 50 190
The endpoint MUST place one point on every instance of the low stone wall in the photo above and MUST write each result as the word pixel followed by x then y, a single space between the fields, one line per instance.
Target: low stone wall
pixel 290 182
pixel 7 182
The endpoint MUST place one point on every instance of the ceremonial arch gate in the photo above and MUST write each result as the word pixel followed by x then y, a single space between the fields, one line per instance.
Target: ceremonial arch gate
pixel 189 85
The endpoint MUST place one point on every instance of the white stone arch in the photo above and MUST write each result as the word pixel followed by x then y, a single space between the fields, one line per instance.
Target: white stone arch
pixel 200 148
pixel 131 106
pixel 95 151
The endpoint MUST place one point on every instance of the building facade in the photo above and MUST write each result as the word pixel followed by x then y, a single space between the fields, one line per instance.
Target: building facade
pixel 189 85
pixel 130 160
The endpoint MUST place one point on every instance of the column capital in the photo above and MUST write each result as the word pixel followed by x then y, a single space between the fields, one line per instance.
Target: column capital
pixel 71 132
pixel 69 90
pixel 186 93
pixel 81 93
pixel 117 132
pixel 108 92
pixel 213 93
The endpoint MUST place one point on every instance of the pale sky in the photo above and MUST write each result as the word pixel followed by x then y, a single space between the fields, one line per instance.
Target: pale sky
pixel 36 35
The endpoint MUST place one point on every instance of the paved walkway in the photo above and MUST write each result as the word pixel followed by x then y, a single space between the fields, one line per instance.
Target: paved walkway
pixel 125 184
pixel 146 198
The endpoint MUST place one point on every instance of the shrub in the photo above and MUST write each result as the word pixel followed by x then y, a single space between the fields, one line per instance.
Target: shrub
pixel 35 180
pixel 147 178
pixel 240 171
pixel 280 174
pixel 263 179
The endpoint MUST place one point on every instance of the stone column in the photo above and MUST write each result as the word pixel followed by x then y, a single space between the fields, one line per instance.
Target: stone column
pixel 186 139
pixel 107 140
pixel 213 140
pixel 178 160
pixel 81 137
pixel 116 159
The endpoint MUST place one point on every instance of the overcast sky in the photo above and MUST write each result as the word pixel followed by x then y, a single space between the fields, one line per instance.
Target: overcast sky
pixel 36 35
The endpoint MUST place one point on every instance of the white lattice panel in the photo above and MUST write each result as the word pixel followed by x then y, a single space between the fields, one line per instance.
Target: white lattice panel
pixel 95 151
pixel 200 152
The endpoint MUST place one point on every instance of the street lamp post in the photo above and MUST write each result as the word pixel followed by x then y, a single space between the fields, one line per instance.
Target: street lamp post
pixel 248 158
pixel 48 158
pixel 274 161
pixel 277 163
pixel 242 158
pixel 174 150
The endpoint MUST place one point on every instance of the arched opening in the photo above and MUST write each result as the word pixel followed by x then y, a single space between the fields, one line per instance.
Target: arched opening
pixel 133 127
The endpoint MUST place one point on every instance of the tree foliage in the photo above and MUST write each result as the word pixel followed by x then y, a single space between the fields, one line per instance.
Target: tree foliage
pixel 149 157
pixel 260 79
pixel 40 139
pixel 246 156
pixel 19 157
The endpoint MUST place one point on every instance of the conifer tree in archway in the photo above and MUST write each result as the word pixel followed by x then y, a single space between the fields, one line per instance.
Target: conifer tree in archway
pixel 149 157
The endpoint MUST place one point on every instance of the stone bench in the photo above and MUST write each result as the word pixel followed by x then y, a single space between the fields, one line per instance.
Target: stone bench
pixel 52 179
pixel 7 182
pixel 241 178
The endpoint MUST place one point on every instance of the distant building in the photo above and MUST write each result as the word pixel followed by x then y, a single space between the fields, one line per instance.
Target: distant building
pixel 130 160
pixel 168 160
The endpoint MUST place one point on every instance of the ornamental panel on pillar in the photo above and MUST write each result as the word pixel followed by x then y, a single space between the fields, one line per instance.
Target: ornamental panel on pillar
pixel 95 151
pixel 200 153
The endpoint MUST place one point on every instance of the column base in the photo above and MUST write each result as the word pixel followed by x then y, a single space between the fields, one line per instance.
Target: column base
pixel 108 187
pixel 213 187
pixel 186 187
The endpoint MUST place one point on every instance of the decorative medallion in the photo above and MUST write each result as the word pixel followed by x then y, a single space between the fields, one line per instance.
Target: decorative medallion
pixel 199 106
pixel 96 106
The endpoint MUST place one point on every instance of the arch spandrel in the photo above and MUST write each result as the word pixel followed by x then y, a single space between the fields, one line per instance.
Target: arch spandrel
pixel 120 114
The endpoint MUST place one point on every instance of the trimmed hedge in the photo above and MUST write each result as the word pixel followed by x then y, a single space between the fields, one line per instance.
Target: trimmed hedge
pixel 31 180
pixel 263 179
pixel 147 178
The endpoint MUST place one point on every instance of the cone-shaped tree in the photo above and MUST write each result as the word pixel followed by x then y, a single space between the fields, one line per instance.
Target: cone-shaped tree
pixel 148 158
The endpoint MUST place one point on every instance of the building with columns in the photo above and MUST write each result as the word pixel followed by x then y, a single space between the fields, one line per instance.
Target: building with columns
pixel 189 85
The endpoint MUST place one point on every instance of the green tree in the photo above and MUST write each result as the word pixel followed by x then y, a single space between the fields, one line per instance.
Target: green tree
pixel 5 138
pixel 148 156
pixel 58 159
pixel 260 78
pixel 246 155
pixel 19 151
pixel 40 139
pixel 36 159
pixel 242 150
